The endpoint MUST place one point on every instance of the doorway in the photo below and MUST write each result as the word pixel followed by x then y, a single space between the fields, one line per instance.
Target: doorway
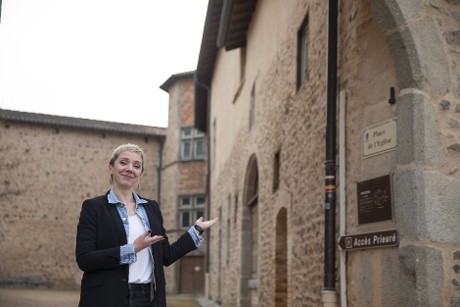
pixel 192 275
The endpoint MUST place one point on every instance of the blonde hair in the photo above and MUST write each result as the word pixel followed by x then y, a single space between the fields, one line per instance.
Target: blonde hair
pixel 127 147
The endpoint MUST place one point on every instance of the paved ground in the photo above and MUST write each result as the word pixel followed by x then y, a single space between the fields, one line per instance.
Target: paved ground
pixel 10 297
pixel 37 298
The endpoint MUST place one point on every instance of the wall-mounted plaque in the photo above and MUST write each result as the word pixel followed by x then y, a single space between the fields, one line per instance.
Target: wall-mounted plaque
pixel 374 200
pixel 379 138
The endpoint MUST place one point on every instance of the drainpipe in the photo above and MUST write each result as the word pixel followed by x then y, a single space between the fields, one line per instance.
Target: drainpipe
pixel 329 292
pixel 160 167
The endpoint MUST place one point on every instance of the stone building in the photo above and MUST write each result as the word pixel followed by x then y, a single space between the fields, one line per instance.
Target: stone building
pixel 49 165
pixel 183 181
pixel 261 96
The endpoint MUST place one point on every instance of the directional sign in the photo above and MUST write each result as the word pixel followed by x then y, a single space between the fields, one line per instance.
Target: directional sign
pixel 369 240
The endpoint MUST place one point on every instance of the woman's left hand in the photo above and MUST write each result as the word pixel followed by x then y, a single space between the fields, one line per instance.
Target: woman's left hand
pixel 205 224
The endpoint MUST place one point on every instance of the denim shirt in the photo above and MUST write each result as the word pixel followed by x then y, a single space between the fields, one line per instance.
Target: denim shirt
pixel 127 254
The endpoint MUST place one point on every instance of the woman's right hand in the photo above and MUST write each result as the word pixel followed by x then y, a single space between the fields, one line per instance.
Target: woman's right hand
pixel 145 240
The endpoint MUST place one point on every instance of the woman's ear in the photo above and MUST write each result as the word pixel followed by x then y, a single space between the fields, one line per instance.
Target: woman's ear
pixel 111 173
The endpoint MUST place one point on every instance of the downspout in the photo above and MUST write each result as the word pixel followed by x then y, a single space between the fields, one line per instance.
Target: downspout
pixel 160 168
pixel 329 292
pixel 208 168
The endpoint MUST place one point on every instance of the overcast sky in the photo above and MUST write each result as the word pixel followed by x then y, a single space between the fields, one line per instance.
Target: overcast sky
pixel 96 59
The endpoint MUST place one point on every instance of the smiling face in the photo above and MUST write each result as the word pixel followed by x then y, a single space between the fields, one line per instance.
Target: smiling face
pixel 126 170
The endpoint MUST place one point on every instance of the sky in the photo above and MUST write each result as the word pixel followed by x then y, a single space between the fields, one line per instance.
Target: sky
pixel 97 59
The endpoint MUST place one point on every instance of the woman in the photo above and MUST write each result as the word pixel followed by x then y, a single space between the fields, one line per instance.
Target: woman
pixel 121 244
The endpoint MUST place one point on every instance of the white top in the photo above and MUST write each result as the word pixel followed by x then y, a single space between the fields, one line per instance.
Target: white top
pixel 140 272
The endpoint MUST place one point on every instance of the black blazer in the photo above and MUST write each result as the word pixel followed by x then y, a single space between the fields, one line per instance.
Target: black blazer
pixel 100 233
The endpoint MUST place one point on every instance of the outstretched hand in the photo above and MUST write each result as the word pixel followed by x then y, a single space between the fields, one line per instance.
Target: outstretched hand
pixel 205 224
pixel 145 240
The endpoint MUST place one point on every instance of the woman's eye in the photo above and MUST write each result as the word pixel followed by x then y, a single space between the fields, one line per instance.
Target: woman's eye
pixel 137 166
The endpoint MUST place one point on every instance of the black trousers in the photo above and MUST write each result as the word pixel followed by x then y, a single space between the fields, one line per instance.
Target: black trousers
pixel 139 296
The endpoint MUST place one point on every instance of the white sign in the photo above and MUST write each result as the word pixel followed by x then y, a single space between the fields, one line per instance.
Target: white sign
pixel 379 138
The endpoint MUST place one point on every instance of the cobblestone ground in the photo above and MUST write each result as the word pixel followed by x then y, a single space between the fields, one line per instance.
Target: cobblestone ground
pixel 55 298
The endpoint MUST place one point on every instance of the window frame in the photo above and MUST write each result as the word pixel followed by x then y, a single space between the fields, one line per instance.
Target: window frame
pixel 303 41
pixel 189 149
pixel 194 209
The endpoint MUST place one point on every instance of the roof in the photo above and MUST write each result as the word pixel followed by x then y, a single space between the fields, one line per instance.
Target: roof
pixel 80 123
pixel 234 23
pixel 226 25
pixel 175 78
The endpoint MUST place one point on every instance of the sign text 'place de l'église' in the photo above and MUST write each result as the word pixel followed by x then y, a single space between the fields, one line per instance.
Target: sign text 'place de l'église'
pixel 379 138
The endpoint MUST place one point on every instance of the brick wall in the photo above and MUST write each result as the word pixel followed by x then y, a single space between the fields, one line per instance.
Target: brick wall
pixel 179 178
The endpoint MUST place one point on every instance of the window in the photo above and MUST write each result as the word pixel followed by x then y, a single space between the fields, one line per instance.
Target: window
pixel 303 41
pixel 190 209
pixel 192 144
pixel 214 133
pixel 229 229
pixel 242 63
pixel 276 171
pixel 252 106
pixel 251 229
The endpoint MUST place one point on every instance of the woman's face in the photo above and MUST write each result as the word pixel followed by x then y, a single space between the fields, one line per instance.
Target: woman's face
pixel 126 170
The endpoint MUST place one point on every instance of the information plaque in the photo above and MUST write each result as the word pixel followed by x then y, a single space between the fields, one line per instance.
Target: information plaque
pixel 374 200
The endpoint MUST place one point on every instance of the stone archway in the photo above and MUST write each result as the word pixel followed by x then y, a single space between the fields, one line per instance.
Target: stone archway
pixel 414 42
pixel 422 68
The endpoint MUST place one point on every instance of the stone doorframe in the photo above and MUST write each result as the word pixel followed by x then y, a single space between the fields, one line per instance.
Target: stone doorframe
pixel 424 198
pixel 250 199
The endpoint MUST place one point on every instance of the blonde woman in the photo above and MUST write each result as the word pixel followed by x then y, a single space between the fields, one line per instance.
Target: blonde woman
pixel 121 244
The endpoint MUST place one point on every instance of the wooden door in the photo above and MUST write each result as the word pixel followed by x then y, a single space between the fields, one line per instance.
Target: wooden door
pixel 192 275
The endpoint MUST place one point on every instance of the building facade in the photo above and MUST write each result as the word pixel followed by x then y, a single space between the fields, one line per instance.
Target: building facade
pixel 49 165
pixel 183 180
pixel 261 93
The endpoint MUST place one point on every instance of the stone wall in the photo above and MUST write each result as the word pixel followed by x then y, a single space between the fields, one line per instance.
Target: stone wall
pixel 47 172
pixel 293 123
pixel 382 45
